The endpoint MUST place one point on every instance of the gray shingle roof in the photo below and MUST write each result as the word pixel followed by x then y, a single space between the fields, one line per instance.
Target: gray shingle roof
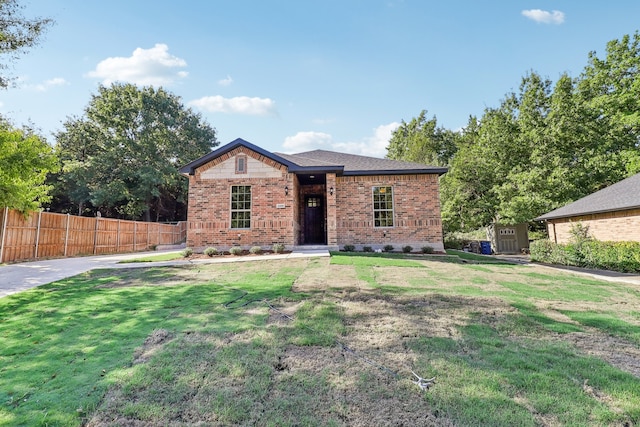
pixel 359 165
pixel 321 161
pixel 620 196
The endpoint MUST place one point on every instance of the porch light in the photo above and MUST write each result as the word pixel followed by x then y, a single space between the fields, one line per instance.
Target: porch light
pixel 286 190
pixel 331 191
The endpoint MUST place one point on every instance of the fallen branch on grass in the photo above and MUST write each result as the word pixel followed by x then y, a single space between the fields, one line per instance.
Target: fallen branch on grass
pixel 423 383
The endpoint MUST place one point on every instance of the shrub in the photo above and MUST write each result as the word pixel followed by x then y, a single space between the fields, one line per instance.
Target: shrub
pixel 256 250
pixel 458 240
pixel 548 252
pixel 407 249
pixel 589 253
pixel 236 250
pixel 367 249
pixel 427 250
pixel 388 248
pixel 210 251
pixel 349 248
pixel 186 252
pixel 277 248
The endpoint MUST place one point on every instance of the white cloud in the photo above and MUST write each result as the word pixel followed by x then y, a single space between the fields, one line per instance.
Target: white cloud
pixel 544 16
pixel 306 141
pixel 153 66
pixel 373 146
pixel 226 82
pixel 239 105
pixel 47 84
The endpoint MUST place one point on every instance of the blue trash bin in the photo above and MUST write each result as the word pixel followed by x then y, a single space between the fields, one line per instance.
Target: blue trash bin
pixel 485 247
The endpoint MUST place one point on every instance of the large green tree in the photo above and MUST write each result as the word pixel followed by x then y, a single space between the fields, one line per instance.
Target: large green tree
pixel 610 87
pixel 17 33
pixel 544 146
pixel 423 141
pixel 25 161
pixel 123 155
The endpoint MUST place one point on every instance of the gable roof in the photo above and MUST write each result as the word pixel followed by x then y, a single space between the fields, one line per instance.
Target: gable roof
pixel 191 167
pixel 322 161
pixel 620 196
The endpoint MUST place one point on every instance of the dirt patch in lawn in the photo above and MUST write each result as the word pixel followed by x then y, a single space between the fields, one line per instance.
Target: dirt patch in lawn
pixel 151 345
pixel 328 383
pixel 616 351
pixel 320 277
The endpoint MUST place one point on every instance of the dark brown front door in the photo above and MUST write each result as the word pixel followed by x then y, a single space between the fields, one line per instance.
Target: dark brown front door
pixel 313 220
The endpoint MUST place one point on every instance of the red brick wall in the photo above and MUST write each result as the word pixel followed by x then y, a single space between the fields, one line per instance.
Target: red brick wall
pixel 209 214
pixel 610 226
pixel 417 220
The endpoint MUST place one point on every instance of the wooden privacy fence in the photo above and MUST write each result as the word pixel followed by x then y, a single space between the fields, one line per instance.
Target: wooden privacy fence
pixel 48 235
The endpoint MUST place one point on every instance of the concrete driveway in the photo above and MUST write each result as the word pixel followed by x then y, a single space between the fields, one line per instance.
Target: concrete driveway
pixel 26 275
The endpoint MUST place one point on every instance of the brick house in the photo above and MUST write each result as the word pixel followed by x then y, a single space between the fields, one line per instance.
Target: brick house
pixel 612 214
pixel 243 195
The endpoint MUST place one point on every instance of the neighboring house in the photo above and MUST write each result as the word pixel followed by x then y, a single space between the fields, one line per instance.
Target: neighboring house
pixel 612 213
pixel 242 195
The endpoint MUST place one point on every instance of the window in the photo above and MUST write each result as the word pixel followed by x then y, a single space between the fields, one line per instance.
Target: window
pixel 241 164
pixel 240 206
pixel 382 207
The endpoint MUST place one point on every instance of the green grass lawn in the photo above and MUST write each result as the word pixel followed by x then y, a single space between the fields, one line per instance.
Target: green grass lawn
pixel 169 256
pixel 509 345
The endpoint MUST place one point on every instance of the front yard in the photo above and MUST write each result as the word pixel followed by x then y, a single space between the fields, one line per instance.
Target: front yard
pixel 322 342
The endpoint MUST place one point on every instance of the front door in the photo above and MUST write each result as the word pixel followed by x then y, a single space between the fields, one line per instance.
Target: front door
pixel 313 220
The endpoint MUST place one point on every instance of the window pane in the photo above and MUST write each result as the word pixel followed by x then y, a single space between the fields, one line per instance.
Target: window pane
pixel 383 206
pixel 240 206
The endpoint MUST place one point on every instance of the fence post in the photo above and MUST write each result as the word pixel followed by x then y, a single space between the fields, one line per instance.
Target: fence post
pixel 38 233
pixel 95 237
pixel 66 235
pixel 148 242
pixel 4 232
pixel 135 236
pixel 118 237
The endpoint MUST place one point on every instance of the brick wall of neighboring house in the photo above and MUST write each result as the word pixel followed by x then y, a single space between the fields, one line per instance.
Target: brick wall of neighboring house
pixel 416 203
pixel 209 213
pixel 610 226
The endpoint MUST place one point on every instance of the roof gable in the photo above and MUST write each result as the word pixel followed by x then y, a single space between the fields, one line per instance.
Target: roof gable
pixel 190 168
pixel 620 196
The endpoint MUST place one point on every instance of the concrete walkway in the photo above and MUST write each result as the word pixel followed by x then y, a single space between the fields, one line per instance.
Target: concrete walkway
pixel 26 275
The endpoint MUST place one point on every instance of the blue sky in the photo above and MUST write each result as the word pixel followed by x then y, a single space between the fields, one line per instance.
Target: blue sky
pixel 296 75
